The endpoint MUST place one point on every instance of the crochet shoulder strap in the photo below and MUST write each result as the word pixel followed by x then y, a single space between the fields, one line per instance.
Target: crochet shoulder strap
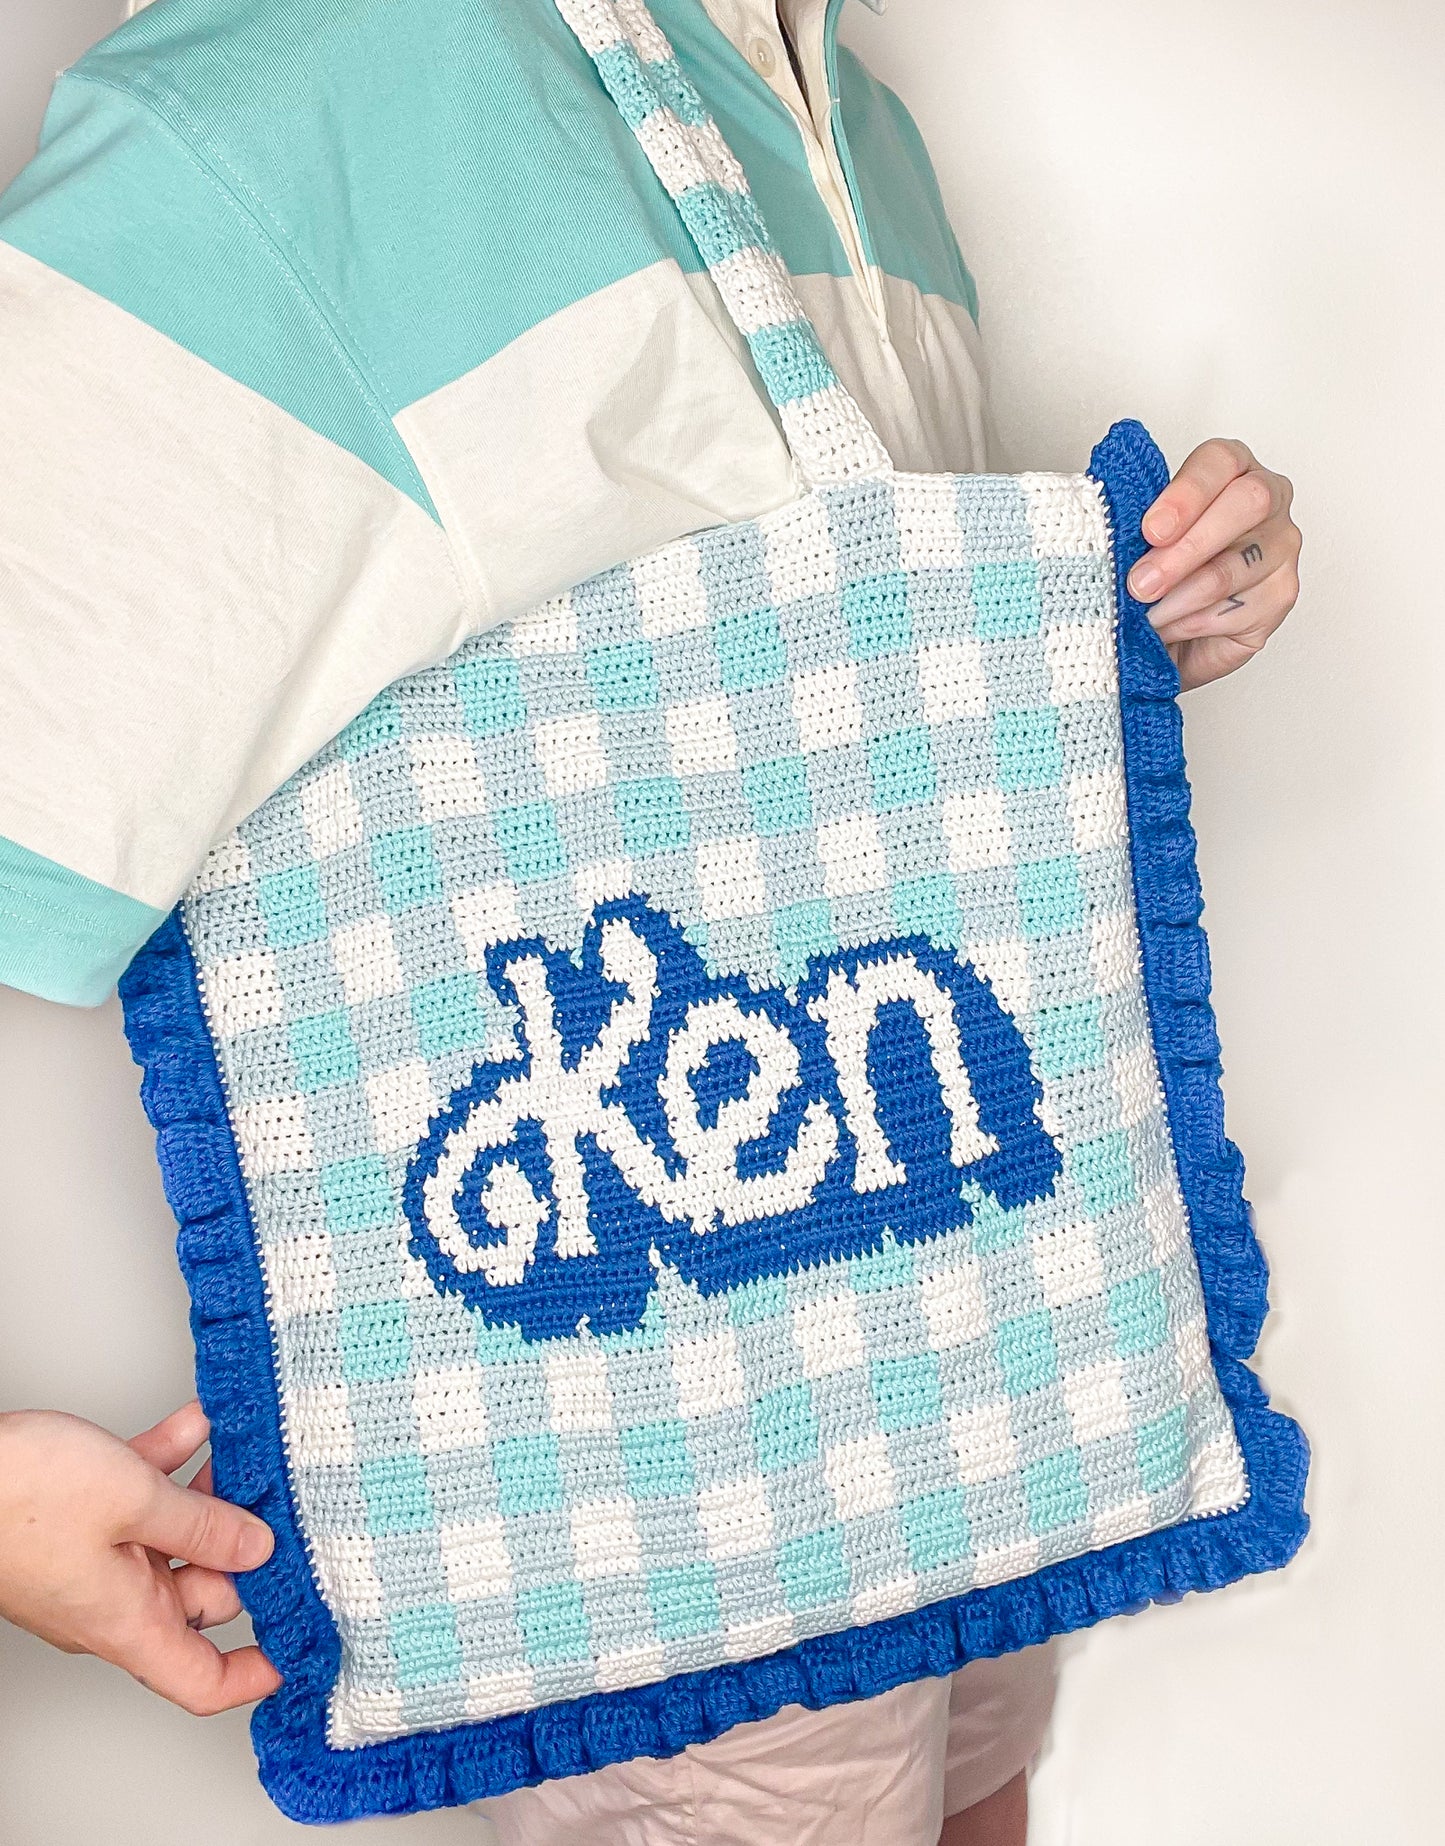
pixel 830 438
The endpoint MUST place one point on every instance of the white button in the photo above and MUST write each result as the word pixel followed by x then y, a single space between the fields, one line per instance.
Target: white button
pixel 763 56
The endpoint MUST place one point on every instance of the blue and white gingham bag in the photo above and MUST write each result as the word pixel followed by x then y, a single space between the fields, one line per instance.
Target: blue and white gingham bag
pixel 695 1123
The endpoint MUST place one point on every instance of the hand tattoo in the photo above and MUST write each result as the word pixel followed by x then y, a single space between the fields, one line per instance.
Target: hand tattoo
pixel 1252 554
pixel 1235 602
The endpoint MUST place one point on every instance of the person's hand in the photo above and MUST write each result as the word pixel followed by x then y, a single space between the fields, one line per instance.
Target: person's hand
pixel 88 1528
pixel 1224 569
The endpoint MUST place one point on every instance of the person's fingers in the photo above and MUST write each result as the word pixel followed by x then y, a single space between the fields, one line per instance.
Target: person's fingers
pixel 1248 501
pixel 1201 478
pixel 199 1529
pixel 185 1667
pixel 207 1597
pixel 169 1444
pixel 1257 555
pixel 1251 614
pixel 203 1480
pixel 1205 648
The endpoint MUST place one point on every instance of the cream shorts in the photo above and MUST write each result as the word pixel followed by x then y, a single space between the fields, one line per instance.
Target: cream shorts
pixel 879 1772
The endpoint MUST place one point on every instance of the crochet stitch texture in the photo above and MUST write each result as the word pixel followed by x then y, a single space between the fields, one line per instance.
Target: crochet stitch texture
pixel 695 1122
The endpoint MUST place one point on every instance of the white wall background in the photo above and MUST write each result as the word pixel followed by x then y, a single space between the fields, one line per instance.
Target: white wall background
pixel 1225 219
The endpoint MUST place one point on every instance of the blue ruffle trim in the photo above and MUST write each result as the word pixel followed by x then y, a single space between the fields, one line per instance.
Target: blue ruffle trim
pixel 309 1781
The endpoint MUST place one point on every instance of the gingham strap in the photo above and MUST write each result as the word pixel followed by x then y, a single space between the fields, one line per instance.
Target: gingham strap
pixel 830 438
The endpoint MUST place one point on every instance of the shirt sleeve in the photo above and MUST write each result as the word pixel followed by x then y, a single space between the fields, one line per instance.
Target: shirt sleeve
pixel 214 545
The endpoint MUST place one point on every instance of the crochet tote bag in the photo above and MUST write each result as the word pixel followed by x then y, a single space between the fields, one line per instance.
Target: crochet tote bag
pixel 695 1123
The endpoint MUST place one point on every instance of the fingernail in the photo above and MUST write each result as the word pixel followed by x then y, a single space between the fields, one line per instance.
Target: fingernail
pixel 1163 524
pixel 1146 580
pixel 253 1545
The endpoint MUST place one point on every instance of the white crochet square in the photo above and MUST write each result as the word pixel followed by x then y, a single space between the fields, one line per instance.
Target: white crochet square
pixel 490 1695
pixel 1005 1562
pixel 700 737
pixel 953 1304
pixel 272 1136
pixel 367 961
pixel 550 628
pixel 1004 964
pixel 828 1335
pixel 299 1275
pixel 330 812
pixel 860 1474
pixel 346 1566
pixel 826 707
pixel 605 1539
pixel 1097 810
pixel 730 878
pixel 671 595
pixel 475 1558
pixel 450 1410
pixel 926 513
pixel 708 1373
pixel 448 782
pixel 875 1602
pixel 1165 1222
pixel 1136 1084
pixel 578 1394
pixel 631 1666
pixel 603 879
pixel 1068 1264
pixel 852 855
pixel 401 1104
pixel 243 992
pixel 319 1426
pixel 1081 661
pixel 983 1443
pixel 799 554
pixel 976 825
pixel 1096 1401
pixel 735 1518
pixel 485 915
pixel 1114 951
pixel 570 753
pixel 951 680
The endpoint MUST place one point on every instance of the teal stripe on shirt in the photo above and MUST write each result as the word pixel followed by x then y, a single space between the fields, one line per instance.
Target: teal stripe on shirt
pixel 63 936
pixel 442 187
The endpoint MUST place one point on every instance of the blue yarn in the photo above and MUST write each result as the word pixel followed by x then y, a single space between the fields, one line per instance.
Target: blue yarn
pixel 184 1099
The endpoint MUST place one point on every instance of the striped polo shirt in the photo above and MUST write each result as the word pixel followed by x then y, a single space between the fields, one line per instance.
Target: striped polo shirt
pixel 335 331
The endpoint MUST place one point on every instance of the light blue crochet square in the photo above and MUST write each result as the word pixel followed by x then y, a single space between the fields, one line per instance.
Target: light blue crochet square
pixel 684 1600
pixel 324 1051
pixel 1101 1170
pixel 291 904
pixel 374 1340
pixel 397 1496
pixel 1006 598
pixel 1068 1038
pixel 1057 1492
pixel 358 1193
pixel 1050 897
pixel 936 1529
pixel 656 1459
pixel 1026 745
pixel 449 1014
pixel 1163 1450
pixel 1138 1314
pixel 425 1645
pixel 906 1391
pixel 876 611
pixel 813 1568
pixel 406 869
pixel 491 694
pixel 750 649
pixel 777 793
pixel 785 1430
pixel 801 931
pixel 553 1621
pixel 927 907
pixel 901 765
pixel 651 815
pixel 529 1479
pixel 1026 1353
pixel 623 676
